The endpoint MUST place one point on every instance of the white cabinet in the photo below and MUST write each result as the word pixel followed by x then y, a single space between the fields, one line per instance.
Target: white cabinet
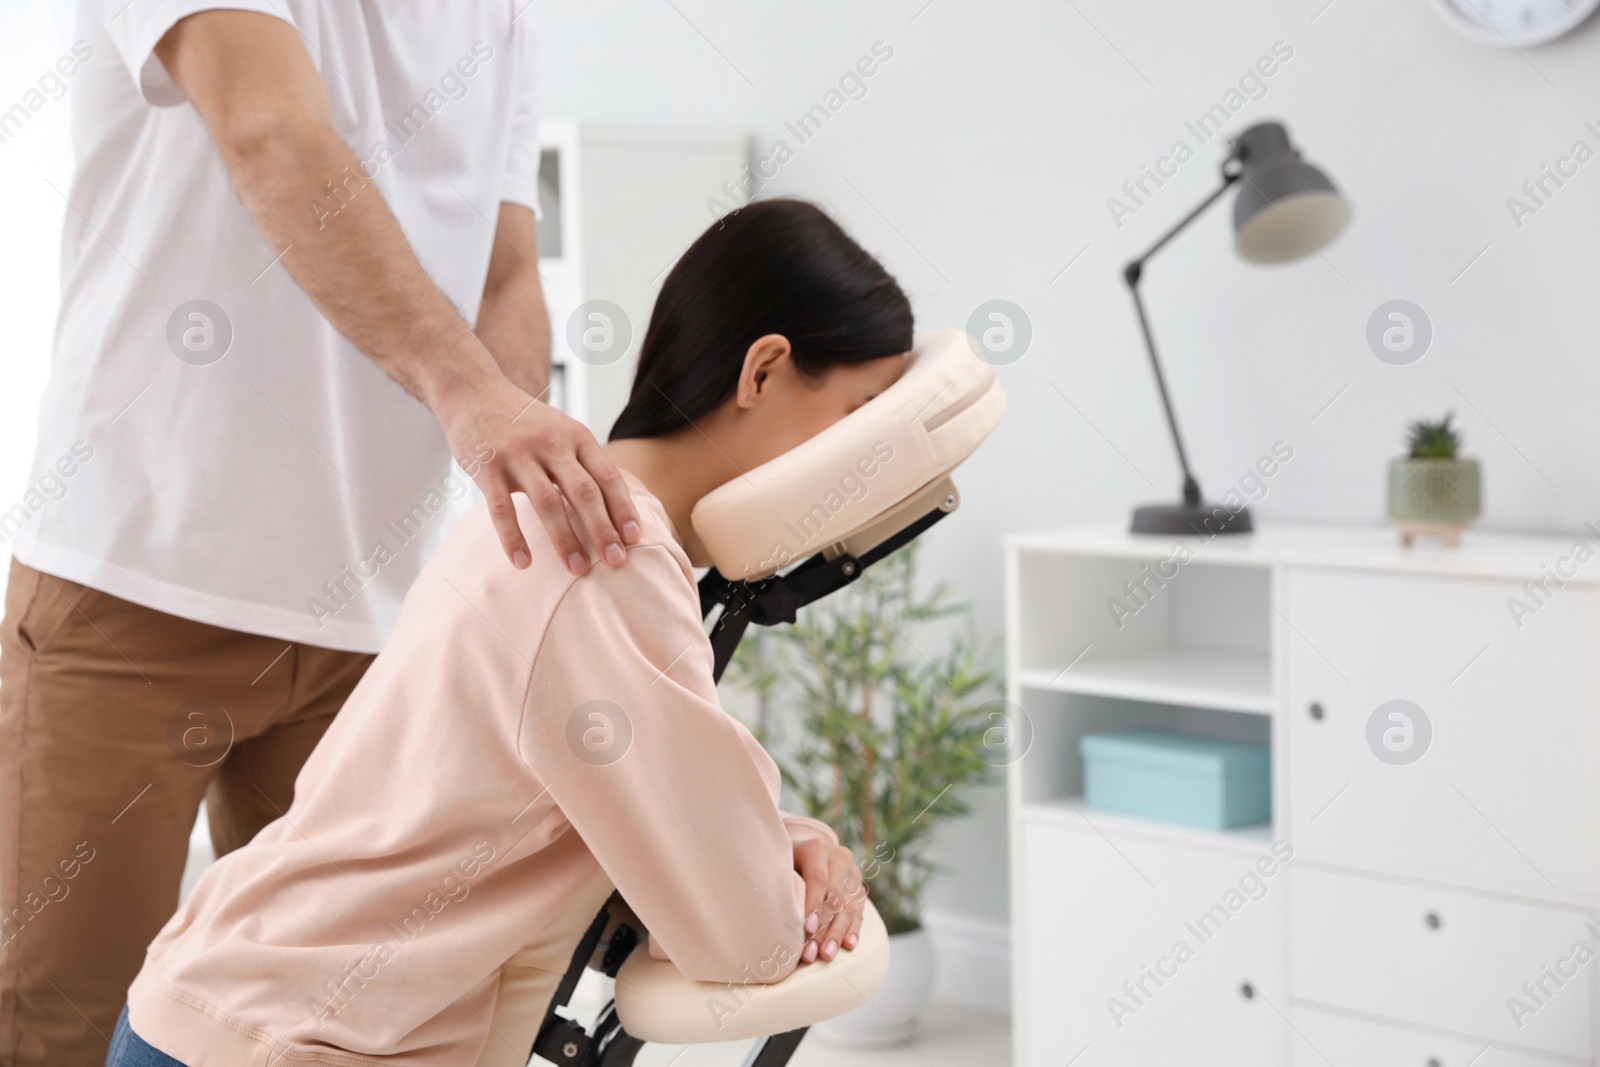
pixel 1322 1038
pixel 1443 959
pixel 1442 906
pixel 1507 782
pixel 1151 955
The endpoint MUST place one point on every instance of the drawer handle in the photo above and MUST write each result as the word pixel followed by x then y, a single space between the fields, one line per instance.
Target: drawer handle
pixel 1247 991
pixel 1433 920
pixel 1316 710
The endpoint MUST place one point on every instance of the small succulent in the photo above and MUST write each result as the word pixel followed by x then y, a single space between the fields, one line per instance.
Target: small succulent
pixel 1433 440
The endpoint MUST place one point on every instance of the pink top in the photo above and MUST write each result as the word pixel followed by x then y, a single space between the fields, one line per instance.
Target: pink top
pixel 521 730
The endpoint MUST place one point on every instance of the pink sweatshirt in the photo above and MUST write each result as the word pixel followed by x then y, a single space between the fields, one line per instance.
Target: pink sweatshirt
pixel 521 730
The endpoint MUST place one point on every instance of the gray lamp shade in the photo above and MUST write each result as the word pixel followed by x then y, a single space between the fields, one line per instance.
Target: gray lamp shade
pixel 1286 208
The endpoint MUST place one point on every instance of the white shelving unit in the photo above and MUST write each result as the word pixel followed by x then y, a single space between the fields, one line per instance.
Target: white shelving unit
pixel 1223 679
pixel 1416 898
pixel 620 203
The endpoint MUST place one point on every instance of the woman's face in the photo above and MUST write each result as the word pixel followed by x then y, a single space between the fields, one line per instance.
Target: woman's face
pixel 780 407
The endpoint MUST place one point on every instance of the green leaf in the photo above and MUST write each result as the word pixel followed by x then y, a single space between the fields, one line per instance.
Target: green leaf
pixel 1433 440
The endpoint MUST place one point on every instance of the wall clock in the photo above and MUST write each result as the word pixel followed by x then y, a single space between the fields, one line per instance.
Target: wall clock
pixel 1514 23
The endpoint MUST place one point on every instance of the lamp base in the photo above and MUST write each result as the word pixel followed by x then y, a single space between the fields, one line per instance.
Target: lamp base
pixel 1207 520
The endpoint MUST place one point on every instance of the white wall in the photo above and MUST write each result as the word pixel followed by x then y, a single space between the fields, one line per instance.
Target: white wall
pixel 979 163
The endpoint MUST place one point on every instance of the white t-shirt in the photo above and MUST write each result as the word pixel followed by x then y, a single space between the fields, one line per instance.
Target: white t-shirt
pixel 237 461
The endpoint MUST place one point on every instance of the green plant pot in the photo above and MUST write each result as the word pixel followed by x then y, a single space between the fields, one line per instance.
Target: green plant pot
pixel 1448 492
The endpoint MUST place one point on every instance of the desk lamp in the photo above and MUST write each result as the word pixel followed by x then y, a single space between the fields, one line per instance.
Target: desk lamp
pixel 1286 209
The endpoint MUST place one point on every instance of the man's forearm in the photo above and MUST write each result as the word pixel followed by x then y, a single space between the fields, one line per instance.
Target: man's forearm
pixel 307 193
pixel 514 326
pixel 249 77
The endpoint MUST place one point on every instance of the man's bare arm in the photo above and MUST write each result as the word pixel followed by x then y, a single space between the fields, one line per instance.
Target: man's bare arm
pixel 512 321
pixel 250 79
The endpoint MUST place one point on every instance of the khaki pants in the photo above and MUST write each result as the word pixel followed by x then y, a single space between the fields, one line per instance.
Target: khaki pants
pixel 115 720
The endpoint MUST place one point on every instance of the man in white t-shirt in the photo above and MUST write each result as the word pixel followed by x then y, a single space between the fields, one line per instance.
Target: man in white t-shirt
pixel 299 274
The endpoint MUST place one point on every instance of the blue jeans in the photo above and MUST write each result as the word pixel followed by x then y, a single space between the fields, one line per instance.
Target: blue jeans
pixel 128 1049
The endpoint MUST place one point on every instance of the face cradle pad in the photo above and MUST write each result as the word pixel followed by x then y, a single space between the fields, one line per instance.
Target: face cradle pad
pixel 824 494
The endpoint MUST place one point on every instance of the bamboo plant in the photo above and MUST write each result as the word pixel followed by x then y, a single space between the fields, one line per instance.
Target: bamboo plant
pixel 891 730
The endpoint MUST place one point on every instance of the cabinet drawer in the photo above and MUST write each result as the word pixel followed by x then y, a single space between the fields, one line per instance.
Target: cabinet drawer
pixel 1446 959
pixel 1503 791
pixel 1100 965
pixel 1322 1038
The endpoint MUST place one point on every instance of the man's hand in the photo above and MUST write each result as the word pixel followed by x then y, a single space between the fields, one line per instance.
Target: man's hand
pixel 509 442
pixel 835 898
pixel 545 455
pixel 253 84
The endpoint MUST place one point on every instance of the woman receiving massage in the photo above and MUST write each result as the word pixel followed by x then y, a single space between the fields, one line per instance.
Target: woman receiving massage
pixel 529 739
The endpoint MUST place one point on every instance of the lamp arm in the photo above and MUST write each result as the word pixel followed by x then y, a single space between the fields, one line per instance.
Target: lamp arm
pixel 1191 488
pixel 1230 174
pixel 1132 273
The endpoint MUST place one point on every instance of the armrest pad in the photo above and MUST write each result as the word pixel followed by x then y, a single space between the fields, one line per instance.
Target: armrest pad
pixel 657 1003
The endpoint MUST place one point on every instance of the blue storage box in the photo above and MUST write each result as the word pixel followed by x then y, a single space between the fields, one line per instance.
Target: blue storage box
pixel 1181 778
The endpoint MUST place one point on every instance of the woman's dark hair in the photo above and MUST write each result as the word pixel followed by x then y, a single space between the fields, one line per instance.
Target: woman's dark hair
pixel 775 266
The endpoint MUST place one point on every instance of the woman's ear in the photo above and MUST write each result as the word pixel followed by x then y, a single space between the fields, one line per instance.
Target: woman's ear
pixel 769 354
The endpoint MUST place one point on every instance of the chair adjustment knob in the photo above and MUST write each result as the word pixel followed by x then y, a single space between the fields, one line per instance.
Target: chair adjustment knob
pixel 563 1041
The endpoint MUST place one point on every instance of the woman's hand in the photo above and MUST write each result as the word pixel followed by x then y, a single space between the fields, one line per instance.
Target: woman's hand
pixel 835 898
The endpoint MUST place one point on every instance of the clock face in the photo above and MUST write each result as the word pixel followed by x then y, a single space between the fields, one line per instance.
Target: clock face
pixel 1515 22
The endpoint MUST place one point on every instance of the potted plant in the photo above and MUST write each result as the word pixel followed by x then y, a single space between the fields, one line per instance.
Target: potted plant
pixel 890 732
pixel 1434 490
